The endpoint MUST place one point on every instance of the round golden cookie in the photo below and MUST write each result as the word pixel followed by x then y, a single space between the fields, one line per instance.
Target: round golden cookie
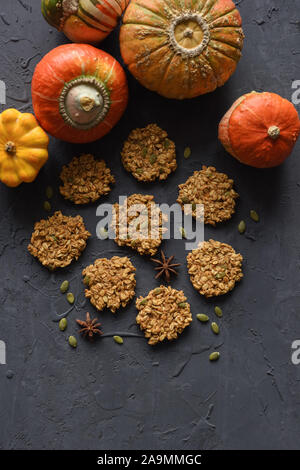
pixel 142 230
pixel 148 154
pixel 57 241
pixel 214 268
pixel 212 189
pixel 163 314
pixel 85 179
pixel 110 283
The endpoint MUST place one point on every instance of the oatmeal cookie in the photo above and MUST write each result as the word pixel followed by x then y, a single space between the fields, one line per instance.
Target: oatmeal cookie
pixel 140 226
pixel 214 268
pixel 163 314
pixel 57 241
pixel 110 283
pixel 148 154
pixel 212 189
pixel 85 179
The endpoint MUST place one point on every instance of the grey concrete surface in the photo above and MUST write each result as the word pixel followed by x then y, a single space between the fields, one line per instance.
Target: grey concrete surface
pixel 103 396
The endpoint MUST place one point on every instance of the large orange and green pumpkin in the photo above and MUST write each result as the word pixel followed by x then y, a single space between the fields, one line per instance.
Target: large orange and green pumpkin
pixel 181 48
pixel 79 93
pixel 84 21
pixel 260 129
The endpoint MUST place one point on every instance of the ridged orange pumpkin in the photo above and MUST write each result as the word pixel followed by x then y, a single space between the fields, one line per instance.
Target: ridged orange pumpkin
pixel 260 129
pixel 79 93
pixel 181 48
pixel 84 21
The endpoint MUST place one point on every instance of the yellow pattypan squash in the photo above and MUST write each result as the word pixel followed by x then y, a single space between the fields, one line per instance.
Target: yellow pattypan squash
pixel 23 147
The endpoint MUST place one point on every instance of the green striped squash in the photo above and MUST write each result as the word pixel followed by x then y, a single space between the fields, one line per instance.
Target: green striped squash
pixel 84 21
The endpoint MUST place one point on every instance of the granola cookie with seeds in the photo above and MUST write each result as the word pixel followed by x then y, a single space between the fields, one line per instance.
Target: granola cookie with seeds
pixel 85 179
pixel 110 283
pixel 214 268
pixel 57 241
pixel 148 154
pixel 138 223
pixel 212 189
pixel 163 314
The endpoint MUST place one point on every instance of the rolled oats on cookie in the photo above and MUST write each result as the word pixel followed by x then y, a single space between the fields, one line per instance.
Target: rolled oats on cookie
pixel 85 179
pixel 148 154
pixel 110 283
pixel 214 268
pixel 138 223
pixel 57 241
pixel 163 314
pixel 212 189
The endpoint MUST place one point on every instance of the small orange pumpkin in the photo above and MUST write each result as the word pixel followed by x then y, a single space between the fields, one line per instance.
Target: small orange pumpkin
pixel 79 93
pixel 260 129
pixel 84 21
pixel 181 49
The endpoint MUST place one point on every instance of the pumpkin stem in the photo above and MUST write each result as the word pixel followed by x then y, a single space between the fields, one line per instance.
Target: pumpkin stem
pixel 84 102
pixel 87 103
pixel 274 132
pixel 189 34
pixel 10 148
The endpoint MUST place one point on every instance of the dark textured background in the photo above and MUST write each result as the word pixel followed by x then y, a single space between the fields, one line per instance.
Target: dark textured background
pixel 103 396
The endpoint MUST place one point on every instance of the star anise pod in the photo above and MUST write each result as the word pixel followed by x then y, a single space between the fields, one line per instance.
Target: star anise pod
pixel 166 267
pixel 89 327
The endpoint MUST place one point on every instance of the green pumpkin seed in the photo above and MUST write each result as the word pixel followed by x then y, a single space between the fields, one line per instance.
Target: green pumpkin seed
pixel 47 206
pixel 215 328
pixel 118 339
pixel 202 317
pixel 73 341
pixel 182 305
pixel 86 281
pixel 144 302
pixel 64 287
pixel 153 159
pixel 183 232
pixel 242 227
pixel 144 152
pixel 49 192
pixel 167 143
pixel 187 152
pixel 63 324
pixel 220 275
pixel 70 298
pixel 194 206
pixel 219 312
pixel 139 171
pixel 157 290
pixel 54 238
pixel 254 216
pixel 214 356
pixel 185 200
